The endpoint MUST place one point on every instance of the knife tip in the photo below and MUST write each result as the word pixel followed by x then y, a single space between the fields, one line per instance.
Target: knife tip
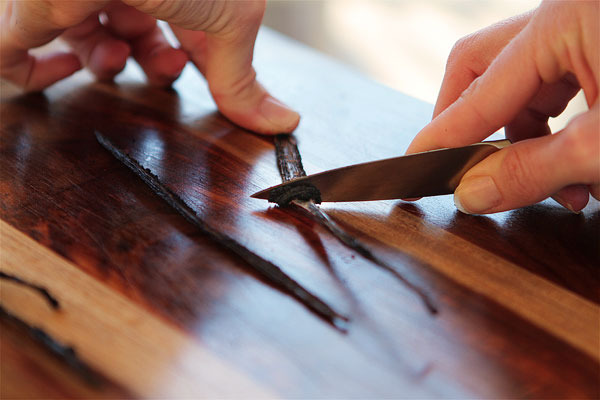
pixel 262 194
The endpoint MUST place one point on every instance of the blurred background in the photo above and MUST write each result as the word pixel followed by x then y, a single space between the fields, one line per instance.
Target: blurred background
pixel 403 44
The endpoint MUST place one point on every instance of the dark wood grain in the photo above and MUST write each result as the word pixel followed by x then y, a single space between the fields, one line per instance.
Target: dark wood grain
pixel 289 162
pixel 31 371
pixel 62 189
pixel 267 270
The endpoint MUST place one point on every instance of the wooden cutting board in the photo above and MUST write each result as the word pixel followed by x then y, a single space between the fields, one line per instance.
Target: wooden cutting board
pixel 152 307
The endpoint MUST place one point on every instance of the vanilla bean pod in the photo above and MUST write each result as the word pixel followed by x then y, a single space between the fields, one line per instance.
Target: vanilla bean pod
pixel 289 162
pixel 65 353
pixel 52 301
pixel 271 272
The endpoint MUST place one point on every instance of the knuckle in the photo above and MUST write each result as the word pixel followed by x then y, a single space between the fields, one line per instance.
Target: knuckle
pixel 237 89
pixel 196 15
pixel 460 46
pixel 62 14
pixel 471 89
pixel 248 13
pixel 519 175
pixel 212 16
pixel 475 109
pixel 456 53
pixel 465 61
pixel 462 52
pixel 236 20
pixel 256 10
pixel 581 144
pixel 239 14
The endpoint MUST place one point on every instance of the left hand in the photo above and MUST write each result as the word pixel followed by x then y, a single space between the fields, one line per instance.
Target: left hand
pixel 217 35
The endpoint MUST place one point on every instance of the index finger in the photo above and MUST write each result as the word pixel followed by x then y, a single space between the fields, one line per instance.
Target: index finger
pixel 490 102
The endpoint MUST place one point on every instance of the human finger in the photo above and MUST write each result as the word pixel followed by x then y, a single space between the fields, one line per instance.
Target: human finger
pixel 550 101
pixel 532 122
pixel 532 170
pixel 194 43
pixel 471 56
pixel 490 102
pixel 101 52
pixel 36 73
pixel 24 25
pixel 161 63
pixel 230 31
pixel 573 194
pixel 237 92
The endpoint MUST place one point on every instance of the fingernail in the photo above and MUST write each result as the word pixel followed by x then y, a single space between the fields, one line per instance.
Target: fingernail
pixel 477 195
pixel 565 204
pixel 280 115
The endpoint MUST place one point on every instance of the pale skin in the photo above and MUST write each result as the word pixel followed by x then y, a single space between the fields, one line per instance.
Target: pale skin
pixel 514 74
pixel 217 36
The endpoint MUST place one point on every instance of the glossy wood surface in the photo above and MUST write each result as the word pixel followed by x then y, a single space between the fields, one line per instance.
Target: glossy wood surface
pixel 156 308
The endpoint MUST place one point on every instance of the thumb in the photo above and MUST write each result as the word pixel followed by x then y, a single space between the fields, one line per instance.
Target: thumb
pixel 532 170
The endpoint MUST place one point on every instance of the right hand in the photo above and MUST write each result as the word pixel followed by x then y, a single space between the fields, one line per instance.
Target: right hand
pixel 516 74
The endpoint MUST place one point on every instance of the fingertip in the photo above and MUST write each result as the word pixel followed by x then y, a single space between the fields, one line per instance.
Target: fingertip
pixel 574 197
pixel 279 117
pixel 420 142
pixel 108 58
pixel 177 59
pixel 268 116
pixel 69 63
pixel 165 66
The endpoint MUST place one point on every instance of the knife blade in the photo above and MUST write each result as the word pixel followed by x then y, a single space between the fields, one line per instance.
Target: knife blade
pixel 430 173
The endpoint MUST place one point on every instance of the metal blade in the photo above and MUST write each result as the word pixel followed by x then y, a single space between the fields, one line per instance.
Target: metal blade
pixel 416 175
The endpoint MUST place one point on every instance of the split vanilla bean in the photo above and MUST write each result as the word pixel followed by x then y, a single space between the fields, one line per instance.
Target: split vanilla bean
pixel 290 167
pixel 269 271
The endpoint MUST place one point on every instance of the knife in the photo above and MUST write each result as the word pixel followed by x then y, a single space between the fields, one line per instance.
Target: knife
pixel 429 173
